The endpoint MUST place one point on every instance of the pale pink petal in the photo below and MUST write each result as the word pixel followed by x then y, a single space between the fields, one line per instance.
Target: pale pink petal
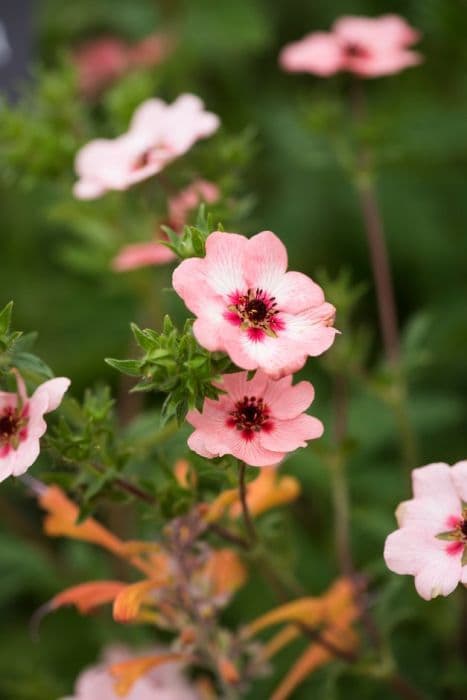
pixel 287 401
pixel 149 117
pixel 190 283
pixel 237 385
pixel 384 63
pixel 225 262
pixel 26 454
pixel 405 550
pixel 439 576
pixel 289 435
pixel 251 452
pixel 186 122
pixel 319 53
pixel 265 261
pixel 378 32
pixel 427 513
pixel 459 479
pixel 53 390
pixel 138 255
pixel 7 464
pixel 197 444
pixel 434 481
pixel 88 189
pixel 296 292
pixel 275 356
pixel 212 330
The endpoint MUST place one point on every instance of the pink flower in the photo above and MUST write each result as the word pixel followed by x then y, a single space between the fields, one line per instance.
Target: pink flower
pixel 248 306
pixel 138 255
pixel 22 423
pixel 185 201
pixel 368 47
pixel 103 60
pixel 155 253
pixel 164 683
pixel 258 421
pixel 158 134
pixel 431 540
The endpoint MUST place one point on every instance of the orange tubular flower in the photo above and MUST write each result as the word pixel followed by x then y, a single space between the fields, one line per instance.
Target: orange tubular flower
pixel 267 491
pixel 61 520
pixel 87 596
pixel 128 672
pixel 332 614
pixel 128 605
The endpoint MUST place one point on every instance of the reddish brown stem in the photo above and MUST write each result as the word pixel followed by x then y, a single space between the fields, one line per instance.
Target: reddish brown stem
pixel 374 230
pixel 381 270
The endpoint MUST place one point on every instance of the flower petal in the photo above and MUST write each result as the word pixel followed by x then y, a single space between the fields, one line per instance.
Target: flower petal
pixel 225 262
pixel 459 479
pixel 434 481
pixel 319 53
pixel 289 435
pixel 265 261
pixel 287 401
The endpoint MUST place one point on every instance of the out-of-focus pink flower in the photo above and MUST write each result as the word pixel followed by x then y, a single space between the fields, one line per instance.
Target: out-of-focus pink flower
pixel 22 423
pixel 158 134
pixel 165 682
pixel 102 61
pixel 138 255
pixel 368 47
pixel 180 205
pixel 432 537
pixel 185 201
pixel 248 306
pixel 258 421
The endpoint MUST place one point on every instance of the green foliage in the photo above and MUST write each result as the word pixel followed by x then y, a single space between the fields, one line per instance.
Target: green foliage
pixel 191 243
pixel 174 364
pixel 14 351
pixel 40 136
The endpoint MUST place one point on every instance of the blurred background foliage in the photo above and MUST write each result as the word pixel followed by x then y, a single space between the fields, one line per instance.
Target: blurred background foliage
pixel 275 134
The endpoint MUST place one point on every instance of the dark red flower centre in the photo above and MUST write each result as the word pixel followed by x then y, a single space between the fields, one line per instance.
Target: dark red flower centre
pixel 463 527
pixel 255 312
pixel 9 424
pixel 13 428
pixel 250 415
pixel 354 50
pixel 142 160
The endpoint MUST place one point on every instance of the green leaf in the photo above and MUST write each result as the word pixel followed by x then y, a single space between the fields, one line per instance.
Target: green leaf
pixel 130 367
pixel 5 318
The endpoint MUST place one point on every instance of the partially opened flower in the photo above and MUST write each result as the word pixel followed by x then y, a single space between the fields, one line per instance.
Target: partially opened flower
pixel 164 681
pixel 432 537
pixel 158 134
pixel 258 421
pixel 250 307
pixel 154 252
pixel 367 46
pixel 22 423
